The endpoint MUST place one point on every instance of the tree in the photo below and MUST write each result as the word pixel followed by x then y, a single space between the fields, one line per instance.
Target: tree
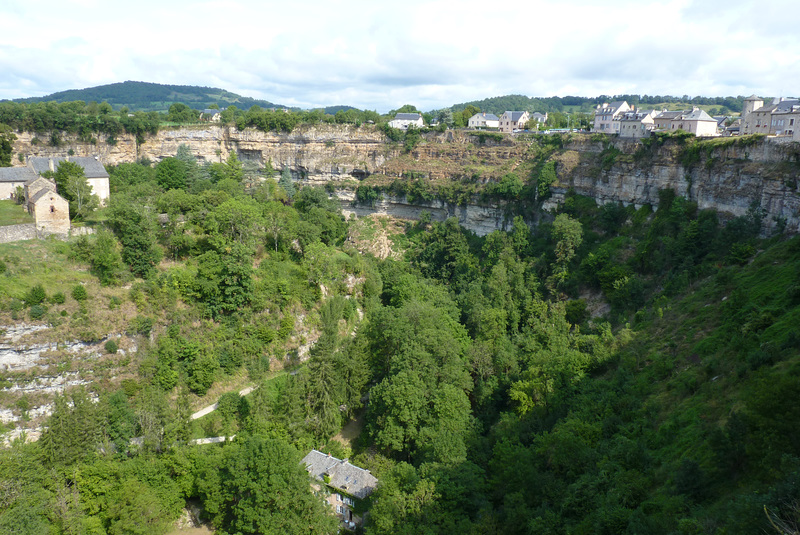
pixel 72 185
pixel 171 174
pixel 7 139
pixel 106 260
pixel 286 182
pixel 83 198
pixel 261 487
pixel 135 225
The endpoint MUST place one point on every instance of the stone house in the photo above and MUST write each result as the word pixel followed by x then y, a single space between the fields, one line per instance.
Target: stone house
pixel 484 120
pixel 96 174
pixel 605 114
pixel 694 121
pixel 778 119
pixel 50 211
pixel 13 177
pixel 636 124
pixel 343 484
pixel 514 120
pixel 404 120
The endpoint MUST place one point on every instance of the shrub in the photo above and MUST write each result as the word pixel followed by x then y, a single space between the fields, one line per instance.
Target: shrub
pixel 111 347
pixel 35 295
pixel 142 325
pixel 38 311
pixel 79 293
pixel 58 298
pixel 3 267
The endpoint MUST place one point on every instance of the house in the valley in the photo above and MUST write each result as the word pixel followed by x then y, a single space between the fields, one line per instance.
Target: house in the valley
pixel 12 178
pixel 636 124
pixel 344 485
pixel 514 120
pixel 96 174
pixel 404 120
pixel 484 120
pixel 605 114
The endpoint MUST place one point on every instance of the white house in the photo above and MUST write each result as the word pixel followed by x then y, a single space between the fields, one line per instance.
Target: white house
pixel 605 114
pixel 211 115
pixel 404 120
pixel 513 120
pixel 484 120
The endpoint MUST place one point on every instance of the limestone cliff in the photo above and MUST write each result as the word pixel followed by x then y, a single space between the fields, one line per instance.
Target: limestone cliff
pixel 727 176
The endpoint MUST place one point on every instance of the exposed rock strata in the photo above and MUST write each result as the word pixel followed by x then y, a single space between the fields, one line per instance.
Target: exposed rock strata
pixel 764 172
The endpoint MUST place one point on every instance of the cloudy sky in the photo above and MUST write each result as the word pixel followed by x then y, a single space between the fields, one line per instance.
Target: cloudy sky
pixel 381 55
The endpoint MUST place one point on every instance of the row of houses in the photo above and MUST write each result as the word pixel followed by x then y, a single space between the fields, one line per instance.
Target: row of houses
pixel 781 118
pixel 508 122
pixel 626 121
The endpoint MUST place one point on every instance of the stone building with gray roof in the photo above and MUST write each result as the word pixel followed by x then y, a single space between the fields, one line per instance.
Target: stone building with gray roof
pixel 93 169
pixel 13 177
pixel 345 481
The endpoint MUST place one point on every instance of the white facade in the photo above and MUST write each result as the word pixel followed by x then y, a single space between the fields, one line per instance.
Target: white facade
pixel 484 120
pixel 404 120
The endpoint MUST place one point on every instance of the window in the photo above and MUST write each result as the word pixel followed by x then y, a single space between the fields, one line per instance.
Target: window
pixel 340 509
pixel 52 209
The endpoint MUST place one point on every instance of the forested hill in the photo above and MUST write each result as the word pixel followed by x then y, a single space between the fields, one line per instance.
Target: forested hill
pixel 498 105
pixel 146 96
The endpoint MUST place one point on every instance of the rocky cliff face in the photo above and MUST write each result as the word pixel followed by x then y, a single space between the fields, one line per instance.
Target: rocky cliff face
pixel 729 178
pixel 316 153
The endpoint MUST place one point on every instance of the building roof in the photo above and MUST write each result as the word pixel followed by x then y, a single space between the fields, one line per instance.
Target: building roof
pixel 17 174
pixel 407 117
pixel 753 97
pixel 515 115
pixel 669 114
pixel 537 115
pixel 787 105
pixel 92 167
pixel 210 111
pixel 486 116
pixel 44 192
pixel 697 115
pixel 343 476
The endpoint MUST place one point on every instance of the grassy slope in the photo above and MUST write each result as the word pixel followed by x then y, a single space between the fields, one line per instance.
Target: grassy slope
pixel 13 214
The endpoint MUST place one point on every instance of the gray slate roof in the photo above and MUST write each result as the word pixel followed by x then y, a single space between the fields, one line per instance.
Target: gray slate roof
pixel 669 114
pixel 17 174
pixel 343 476
pixel 92 167
pixel 697 115
pixel 515 115
pixel 407 116
pixel 486 116
pixel 42 193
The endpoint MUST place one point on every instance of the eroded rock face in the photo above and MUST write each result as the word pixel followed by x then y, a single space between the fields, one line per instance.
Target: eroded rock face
pixel 764 172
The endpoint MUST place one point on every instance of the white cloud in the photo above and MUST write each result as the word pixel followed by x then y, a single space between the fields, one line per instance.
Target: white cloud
pixel 383 55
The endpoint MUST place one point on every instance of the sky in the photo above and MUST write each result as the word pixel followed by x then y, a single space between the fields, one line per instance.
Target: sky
pixel 380 55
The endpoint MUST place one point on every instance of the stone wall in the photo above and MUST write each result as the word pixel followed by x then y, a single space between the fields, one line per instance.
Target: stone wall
pixel 12 233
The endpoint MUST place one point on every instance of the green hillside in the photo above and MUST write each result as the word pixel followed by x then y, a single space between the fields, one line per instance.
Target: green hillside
pixel 145 96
